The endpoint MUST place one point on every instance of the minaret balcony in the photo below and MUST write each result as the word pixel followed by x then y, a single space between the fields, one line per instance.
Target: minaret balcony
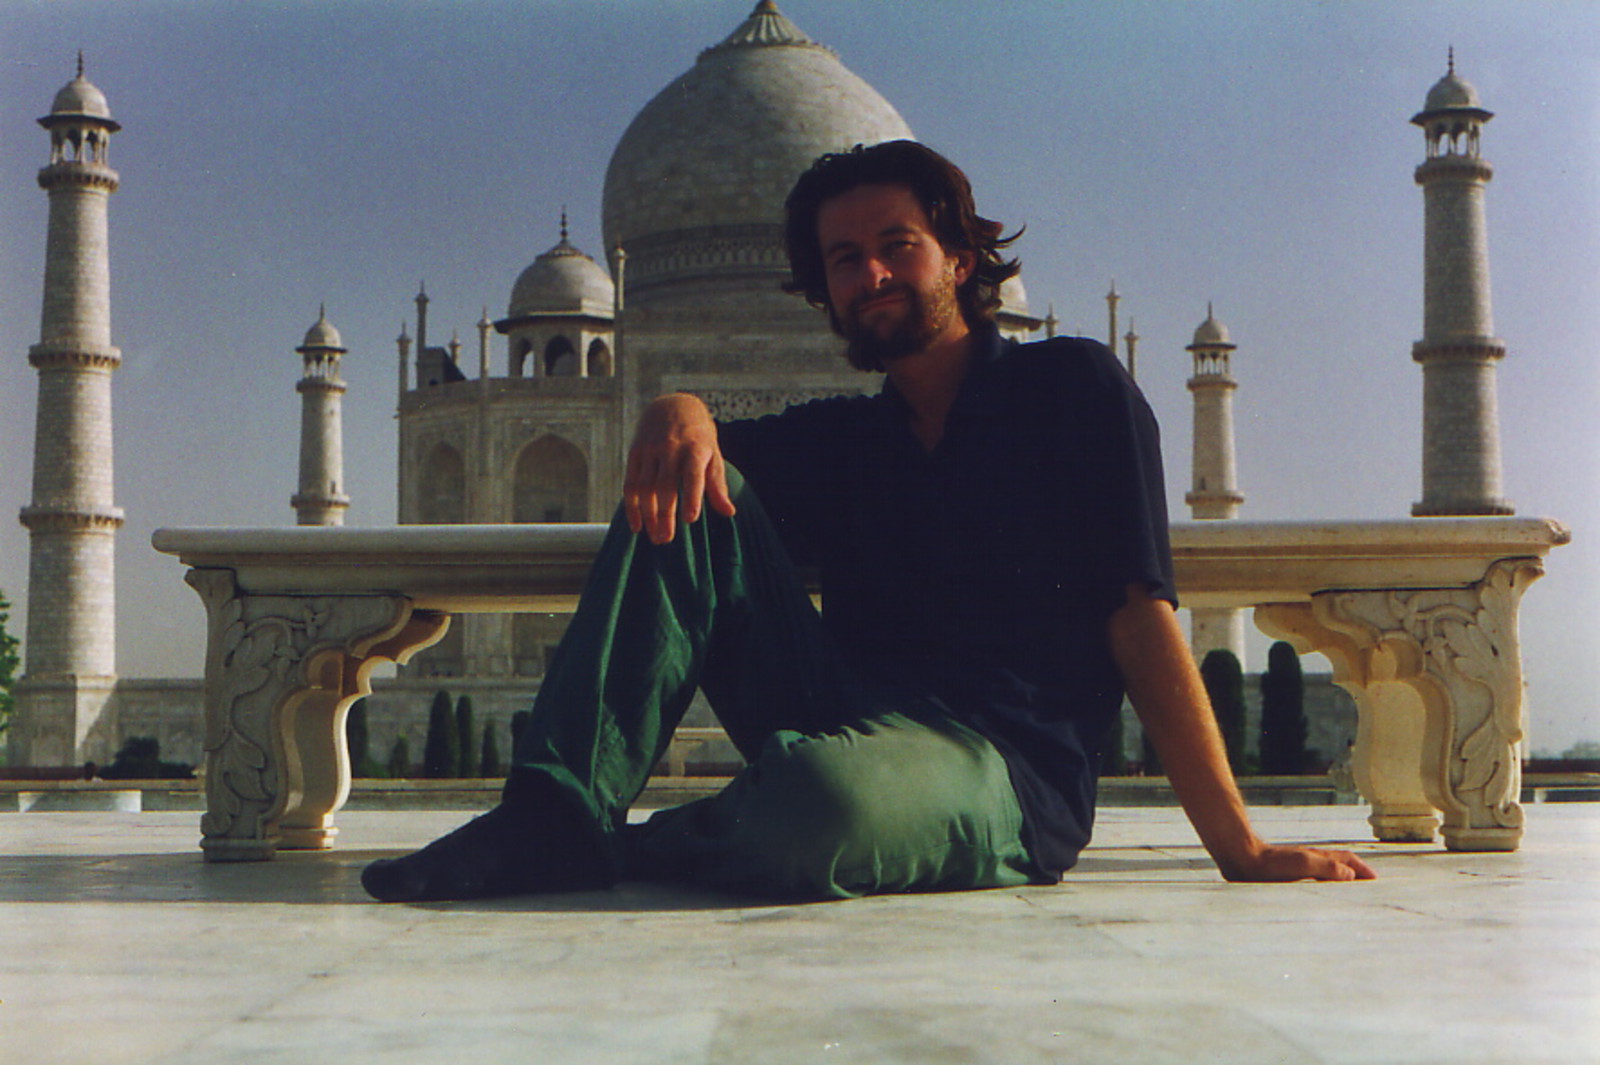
pixel 68 517
pixel 79 173
pixel 48 356
pixel 1467 168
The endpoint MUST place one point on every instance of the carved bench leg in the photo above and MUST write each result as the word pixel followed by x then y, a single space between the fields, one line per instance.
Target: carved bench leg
pixel 1387 759
pixel 1453 653
pixel 281 672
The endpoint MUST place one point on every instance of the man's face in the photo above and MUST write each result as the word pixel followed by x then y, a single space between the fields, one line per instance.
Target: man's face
pixel 891 285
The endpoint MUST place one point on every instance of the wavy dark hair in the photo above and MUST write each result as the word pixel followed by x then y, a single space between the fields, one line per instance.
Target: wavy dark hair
pixel 939 186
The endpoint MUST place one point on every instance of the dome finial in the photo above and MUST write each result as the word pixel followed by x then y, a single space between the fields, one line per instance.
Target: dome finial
pixel 80 62
pixel 563 223
pixel 1452 55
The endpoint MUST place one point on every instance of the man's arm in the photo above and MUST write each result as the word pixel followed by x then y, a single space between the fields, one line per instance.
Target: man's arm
pixel 674 456
pixel 1170 699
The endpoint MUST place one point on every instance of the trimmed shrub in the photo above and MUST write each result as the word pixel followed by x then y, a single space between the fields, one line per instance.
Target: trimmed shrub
pixel 441 752
pixel 1113 762
pixel 1224 680
pixel 1152 760
pixel 140 759
pixel 466 737
pixel 1283 712
pixel 400 759
pixel 358 739
pixel 519 721
pixel 489 764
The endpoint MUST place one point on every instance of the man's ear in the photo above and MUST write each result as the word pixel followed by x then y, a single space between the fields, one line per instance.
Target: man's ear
pixel 966 265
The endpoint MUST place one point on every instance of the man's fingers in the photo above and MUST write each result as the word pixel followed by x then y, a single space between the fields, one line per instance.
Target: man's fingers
pixel 630 492
pixel 693 481
pixel 717 487
pixel 661 506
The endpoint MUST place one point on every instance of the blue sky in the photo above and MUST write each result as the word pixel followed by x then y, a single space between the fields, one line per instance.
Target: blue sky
pixel 277 156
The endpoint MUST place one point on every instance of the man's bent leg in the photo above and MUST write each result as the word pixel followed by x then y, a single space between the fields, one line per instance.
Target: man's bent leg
pixel 895 802
pixel 719 604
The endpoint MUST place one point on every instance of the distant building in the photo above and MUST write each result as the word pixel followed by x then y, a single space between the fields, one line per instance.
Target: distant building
pixel 684 297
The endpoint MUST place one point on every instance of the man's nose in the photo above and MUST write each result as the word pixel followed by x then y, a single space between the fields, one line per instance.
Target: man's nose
pixel 876 272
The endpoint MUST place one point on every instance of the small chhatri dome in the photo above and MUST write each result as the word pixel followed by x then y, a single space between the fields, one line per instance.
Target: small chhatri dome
pixel 1211 333
pixel 563 281
pixel 79 99
pixel 322 334
pixel 1452 93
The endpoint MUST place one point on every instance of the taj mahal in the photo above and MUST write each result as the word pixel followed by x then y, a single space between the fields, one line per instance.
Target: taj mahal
pixel 527 420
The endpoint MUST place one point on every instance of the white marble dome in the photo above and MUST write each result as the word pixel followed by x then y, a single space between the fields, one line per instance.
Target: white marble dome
pixel 695 188
pixel 322 334
pixel 80 98
pixel 562 281
pixel 1452 92
pixel 1212 334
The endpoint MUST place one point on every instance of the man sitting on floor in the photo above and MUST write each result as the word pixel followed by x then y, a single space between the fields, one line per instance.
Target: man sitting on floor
pixel 991 534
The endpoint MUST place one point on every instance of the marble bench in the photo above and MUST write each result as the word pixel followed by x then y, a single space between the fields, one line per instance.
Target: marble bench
pixel 1418 617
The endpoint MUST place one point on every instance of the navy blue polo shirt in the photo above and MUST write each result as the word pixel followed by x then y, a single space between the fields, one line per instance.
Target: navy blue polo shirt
pixel 982 575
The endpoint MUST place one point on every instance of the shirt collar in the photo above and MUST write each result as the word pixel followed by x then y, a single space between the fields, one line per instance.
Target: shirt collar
pixel 980 392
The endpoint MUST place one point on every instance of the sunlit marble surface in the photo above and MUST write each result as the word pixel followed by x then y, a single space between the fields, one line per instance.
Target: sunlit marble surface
pixel 118 945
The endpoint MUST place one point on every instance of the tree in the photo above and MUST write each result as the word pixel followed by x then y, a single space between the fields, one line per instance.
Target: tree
pixel 1224 680
pixel 489 764
pixel 400 759
pixel 441 752
pixel 8 663
pixel 1283 712
pixel 466 737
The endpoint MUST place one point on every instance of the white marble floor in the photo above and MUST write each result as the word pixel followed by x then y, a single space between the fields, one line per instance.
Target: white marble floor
pixel 118 946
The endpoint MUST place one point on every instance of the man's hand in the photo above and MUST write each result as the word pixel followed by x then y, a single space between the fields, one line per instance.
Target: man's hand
pixel 674 457
pixel 1278 865
pixel 1171 702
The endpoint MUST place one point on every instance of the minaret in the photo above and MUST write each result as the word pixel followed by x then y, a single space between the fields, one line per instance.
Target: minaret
pixel 1215 491
pixel 1458 350
pixel 1131 339
pixel 1215 488
pixel 70 667
pixel 321 499
pixel 1112 299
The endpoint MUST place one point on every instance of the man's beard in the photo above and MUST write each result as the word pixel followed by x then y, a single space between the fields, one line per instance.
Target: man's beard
pixel 926 315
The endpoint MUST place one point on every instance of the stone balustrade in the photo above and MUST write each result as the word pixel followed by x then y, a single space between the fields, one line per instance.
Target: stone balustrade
pixel 1418 617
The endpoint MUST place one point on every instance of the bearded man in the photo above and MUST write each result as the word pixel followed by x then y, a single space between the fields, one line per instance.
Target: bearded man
pixel 991 536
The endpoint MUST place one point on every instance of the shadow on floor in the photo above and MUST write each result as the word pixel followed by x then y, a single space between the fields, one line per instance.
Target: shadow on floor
pixel 333 877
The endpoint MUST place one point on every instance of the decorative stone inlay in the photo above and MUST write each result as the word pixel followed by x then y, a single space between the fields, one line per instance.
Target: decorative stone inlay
pixel 281 670
pixel 728 404
pixel 688 251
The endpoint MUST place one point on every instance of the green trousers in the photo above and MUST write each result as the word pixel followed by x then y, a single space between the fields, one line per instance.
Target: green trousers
pixel 849 789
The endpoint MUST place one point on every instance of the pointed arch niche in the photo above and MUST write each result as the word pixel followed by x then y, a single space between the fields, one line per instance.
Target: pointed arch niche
pixel 442 488
pixel 550 482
